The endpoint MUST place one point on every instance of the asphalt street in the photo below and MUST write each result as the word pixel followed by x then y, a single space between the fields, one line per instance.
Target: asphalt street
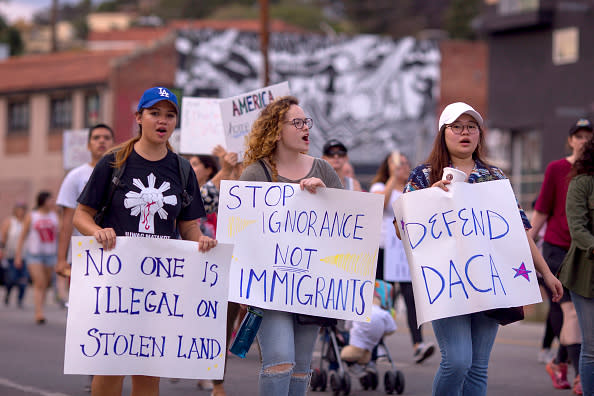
pixel 32 361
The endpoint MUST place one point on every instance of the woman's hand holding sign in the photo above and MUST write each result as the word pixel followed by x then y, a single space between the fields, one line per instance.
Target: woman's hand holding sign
pixel 206 243
pixel 106 237
pixel 442 184
pixel 311 184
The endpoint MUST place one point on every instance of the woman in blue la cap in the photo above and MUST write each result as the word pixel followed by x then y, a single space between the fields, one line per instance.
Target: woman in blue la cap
pixel 149 161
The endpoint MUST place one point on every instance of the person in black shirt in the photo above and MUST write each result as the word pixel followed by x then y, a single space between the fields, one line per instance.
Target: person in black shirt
pixel 147 201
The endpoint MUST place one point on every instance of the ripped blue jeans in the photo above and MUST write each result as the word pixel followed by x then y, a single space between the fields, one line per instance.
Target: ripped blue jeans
pixel 284 341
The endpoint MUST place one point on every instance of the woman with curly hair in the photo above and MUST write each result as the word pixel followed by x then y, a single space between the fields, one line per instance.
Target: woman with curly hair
pixel 276 151
pixel 577 269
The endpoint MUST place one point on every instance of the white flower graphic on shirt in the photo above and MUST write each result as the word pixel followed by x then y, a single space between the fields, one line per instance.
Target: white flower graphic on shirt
pixel 148 202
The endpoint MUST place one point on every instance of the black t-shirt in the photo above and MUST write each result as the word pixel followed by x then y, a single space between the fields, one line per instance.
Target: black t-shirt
pixel 148 200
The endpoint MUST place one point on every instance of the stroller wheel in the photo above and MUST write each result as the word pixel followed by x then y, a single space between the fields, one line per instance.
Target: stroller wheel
pixel 365 381
pixel 346 384
pixel 390 382
pixel 374 380
pixel 369 380
pixel 323 380
pixel 335 383
pixel 316 377
pixel 399 382
pixel 340 383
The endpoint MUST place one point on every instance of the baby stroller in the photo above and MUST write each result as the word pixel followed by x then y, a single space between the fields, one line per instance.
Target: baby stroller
pixel 340 382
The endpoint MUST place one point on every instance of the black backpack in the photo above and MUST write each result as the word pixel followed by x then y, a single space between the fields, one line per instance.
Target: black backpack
pixel 116 174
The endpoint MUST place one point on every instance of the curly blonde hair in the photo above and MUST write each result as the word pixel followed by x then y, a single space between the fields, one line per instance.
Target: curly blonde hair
pixel 262 139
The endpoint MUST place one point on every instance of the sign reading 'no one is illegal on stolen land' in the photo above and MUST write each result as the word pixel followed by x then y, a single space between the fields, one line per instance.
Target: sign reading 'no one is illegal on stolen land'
pixel 150 306
pixel 300 252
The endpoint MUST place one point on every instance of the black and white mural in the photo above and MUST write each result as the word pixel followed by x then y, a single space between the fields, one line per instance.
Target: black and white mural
pixel 373 93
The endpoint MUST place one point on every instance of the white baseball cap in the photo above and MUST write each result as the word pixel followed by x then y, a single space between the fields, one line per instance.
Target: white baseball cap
pixel 455 110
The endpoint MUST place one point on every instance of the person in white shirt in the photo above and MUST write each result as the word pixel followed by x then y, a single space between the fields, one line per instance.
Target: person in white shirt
pixel 101 139
pixel 364 336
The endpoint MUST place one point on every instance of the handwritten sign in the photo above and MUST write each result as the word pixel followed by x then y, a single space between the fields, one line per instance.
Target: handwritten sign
pixel 239 113
pixel 301 252
pixel 201 125
pixel 395 262
pixel 467 249
pixel 148 307
pixel 207 122
pixel 74 148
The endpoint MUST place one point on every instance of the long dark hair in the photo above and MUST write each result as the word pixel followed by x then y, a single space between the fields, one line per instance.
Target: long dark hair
pixel 42 198
pixel 439 157
pixel 209 162
pixel 584 165
pixel 383 172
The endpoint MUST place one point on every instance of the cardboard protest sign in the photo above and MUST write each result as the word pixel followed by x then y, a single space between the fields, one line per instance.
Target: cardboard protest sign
pixel 201 125
pixel 395 262
pixel 74 148
pixel 300 252
pixel 467 249
pixel 148 307
pixel 207 122
pixel 239 113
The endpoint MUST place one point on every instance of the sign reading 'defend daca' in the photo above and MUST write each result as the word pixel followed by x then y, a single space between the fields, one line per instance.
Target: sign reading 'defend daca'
pixel 207 122
pixel 300 252
pixel 150 306
pixel 467 249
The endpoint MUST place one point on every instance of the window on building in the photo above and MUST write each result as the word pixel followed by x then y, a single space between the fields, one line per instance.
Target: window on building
pixel 92 109
pixel 60 113
pixel 517 6
pixel 519 154
pixel 566 44
pixel 18 117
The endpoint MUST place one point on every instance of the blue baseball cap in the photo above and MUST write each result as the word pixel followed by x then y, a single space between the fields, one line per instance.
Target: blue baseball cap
pixel 156 94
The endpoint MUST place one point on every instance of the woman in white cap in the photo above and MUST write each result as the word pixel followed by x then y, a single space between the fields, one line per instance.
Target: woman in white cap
pixel 149 161
pixel 465 341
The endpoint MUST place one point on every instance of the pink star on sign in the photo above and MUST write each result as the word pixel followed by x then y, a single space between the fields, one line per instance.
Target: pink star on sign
pixel 522 271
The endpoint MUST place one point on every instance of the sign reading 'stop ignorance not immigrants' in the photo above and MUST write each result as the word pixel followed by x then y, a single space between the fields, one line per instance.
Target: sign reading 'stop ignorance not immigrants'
pixel 467 249
pixel 148 307
pixel 300 252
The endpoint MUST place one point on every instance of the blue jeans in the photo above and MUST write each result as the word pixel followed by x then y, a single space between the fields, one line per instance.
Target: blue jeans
pixel 284 341
pixel 16 277
pixel 585 312
pixel 465 343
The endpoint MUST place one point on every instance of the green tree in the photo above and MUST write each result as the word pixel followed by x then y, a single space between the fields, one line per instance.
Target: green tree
pixel 108 6
pixel 306 14
pixel 459 17
pixel 11 36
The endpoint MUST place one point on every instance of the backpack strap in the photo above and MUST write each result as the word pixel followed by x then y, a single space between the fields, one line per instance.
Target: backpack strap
pixel 116 176
pixel 261 162
pixel 184 173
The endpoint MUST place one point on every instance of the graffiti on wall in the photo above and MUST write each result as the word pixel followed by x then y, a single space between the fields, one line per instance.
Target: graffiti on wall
pixel 374 93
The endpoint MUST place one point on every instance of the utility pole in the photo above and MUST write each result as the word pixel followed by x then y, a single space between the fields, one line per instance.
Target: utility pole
pixel 264 35
pixel 53 23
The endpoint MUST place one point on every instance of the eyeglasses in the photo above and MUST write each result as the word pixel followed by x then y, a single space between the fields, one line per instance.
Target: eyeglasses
pixel 336 153
pixel 458 128
pixel 300 122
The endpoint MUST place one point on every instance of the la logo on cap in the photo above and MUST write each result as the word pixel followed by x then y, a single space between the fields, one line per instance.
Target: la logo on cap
pixel 163 92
